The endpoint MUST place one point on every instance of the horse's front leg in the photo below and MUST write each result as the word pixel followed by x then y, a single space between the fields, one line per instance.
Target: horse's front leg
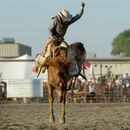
pixel 51 100
pixel 62 119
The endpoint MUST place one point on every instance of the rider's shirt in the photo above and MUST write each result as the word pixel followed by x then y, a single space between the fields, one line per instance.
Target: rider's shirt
pixel 59 26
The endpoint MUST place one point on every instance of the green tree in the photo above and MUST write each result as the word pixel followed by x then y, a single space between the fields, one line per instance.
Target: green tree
pixel 121 44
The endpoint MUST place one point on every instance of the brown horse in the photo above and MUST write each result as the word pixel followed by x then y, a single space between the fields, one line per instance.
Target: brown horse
pixel 58 74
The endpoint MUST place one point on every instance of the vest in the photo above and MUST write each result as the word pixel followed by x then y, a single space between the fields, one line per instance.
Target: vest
pixel 61 27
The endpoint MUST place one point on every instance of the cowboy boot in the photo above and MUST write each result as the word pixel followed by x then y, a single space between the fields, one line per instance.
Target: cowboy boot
pixel 35 69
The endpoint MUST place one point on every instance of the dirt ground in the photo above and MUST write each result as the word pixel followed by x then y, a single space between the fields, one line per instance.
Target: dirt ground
pixel 87 116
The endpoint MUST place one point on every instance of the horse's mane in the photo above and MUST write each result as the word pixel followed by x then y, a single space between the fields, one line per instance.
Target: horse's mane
pixel 80 48
pixel 78 45
pixel 80 51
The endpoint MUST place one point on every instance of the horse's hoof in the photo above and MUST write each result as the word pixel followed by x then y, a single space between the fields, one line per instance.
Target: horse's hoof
pixel 52 119
pixel 62 120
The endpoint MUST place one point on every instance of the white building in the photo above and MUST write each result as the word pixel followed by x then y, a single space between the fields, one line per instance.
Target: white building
pixel 100 66
pixel 21 81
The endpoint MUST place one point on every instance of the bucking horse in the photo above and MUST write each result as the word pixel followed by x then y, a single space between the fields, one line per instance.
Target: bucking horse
pixel 59 78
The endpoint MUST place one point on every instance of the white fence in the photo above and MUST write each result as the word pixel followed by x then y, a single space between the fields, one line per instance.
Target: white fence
pixel 24 88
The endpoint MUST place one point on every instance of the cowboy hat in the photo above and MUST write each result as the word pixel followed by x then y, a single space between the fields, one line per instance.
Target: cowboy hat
pixel 65 15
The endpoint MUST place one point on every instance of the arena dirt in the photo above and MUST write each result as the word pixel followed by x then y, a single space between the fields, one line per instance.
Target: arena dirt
pixel 110 116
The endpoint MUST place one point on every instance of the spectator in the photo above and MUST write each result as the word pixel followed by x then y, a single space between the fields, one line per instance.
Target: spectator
pixel 118 88
pixel 121 79
pixel 78 84
pixel 92 88
pixel 91 92
pixel 127 79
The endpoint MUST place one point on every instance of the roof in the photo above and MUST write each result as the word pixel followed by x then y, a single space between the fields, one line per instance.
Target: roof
pixel 113 59
pixel 25 57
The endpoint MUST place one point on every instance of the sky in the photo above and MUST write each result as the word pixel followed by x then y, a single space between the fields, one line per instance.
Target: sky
pixel 28 20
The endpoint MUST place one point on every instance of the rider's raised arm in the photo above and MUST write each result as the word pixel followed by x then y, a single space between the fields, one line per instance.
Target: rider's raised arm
pixel 78 15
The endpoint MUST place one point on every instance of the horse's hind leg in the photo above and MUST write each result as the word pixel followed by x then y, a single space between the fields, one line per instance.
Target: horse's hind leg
pixel 62 119
pixel 51 100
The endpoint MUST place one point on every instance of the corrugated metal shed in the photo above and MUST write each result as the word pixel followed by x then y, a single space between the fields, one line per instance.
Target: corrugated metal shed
pixel 9 50
pixel 13 50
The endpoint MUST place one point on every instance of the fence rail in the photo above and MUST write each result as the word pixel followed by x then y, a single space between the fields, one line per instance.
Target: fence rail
pixel 102 94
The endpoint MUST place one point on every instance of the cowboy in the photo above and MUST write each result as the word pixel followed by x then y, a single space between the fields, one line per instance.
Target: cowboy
pixel 58 31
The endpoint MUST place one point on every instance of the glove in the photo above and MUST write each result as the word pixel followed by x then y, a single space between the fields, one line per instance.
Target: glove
pixel 82 5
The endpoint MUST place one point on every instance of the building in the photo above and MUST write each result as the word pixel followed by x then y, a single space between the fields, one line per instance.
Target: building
pixel 21 81
pixel 10 49
pixel 101 66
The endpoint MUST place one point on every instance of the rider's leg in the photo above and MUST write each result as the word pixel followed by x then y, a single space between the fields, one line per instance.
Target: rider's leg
pixel 42 59
pixel 38 64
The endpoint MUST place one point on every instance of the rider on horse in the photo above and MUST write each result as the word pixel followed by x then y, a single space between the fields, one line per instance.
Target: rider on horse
pixel 58 31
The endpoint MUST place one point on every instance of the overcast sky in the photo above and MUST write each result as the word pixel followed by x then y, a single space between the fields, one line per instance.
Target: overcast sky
pixel 27 21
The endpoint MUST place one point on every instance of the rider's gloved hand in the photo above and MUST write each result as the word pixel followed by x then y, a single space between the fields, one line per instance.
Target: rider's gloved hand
pixel 82 5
